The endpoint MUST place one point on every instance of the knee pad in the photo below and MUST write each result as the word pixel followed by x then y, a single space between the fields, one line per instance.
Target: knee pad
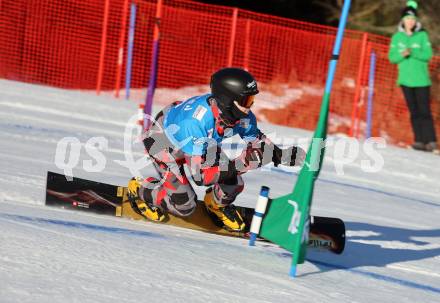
pixel 227 193
pixel 181 204
pixel 147 188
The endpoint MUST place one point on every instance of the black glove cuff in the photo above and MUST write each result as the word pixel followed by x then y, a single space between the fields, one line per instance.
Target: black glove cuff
pixel 293 156
pixel 276 157
pixel 226 175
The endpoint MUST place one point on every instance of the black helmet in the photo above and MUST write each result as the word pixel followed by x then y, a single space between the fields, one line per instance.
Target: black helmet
pixel 233 84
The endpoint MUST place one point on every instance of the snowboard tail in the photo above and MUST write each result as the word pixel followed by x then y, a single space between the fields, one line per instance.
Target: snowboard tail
pixel 85 195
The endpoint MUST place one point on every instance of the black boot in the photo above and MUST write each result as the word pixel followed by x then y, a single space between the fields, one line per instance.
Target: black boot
pixel 419 146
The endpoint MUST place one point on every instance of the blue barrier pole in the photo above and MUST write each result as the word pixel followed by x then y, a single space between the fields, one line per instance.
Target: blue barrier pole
pixel 370 94
pixel 260 210
pixel 322 123
pixel 131 33
pixel 337 46
pixel 154 65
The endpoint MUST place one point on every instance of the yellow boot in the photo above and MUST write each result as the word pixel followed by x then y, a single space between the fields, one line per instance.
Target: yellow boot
pixel 143 208
pixel 228 214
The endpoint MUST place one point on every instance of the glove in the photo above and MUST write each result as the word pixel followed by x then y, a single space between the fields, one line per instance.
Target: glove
pixel 222 170
pixel 253 157
pixel 290 156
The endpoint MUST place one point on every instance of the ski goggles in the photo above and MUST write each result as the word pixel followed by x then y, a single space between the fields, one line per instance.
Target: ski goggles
pixel 246 101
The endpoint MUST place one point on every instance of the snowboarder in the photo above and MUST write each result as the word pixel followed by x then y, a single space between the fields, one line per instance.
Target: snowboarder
pixel 190 133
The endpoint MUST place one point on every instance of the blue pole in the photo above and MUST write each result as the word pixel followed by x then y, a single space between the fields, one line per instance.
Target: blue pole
pixel 337 46
pixel 154 64
pixel 152 82
pixel 130 50
pixel 370 94
pixel 328 88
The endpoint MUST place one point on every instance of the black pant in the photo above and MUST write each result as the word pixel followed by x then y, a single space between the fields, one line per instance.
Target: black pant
pixel 418 102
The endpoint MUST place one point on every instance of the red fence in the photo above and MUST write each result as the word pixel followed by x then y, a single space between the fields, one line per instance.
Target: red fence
pixel 78 45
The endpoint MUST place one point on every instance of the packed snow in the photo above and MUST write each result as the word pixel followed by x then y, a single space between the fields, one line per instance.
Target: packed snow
pixel 47 254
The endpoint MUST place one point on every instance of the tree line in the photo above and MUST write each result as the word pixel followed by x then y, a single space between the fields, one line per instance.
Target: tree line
pixel 374 16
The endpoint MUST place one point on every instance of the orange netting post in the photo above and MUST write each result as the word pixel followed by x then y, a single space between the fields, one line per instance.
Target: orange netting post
pixel 121 48
pixel 232 41
pixel 364 92
pixel 356 102
pixel 246 45
pixel 103 46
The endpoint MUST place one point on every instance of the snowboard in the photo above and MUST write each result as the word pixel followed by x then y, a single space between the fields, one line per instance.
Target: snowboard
pixel 85 195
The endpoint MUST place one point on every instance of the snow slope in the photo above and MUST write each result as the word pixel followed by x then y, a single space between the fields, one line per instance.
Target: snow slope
pixel 392 217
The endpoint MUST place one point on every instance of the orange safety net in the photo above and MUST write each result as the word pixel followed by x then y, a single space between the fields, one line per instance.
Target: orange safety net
pixel 83 45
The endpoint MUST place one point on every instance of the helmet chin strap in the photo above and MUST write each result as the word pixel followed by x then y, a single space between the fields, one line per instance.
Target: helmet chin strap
pixel 237 113
pixel 220 123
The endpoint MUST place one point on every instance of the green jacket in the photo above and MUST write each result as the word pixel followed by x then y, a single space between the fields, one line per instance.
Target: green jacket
pixel 413 70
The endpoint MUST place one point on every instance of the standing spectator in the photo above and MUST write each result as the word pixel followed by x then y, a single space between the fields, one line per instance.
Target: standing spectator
pixel 411 50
